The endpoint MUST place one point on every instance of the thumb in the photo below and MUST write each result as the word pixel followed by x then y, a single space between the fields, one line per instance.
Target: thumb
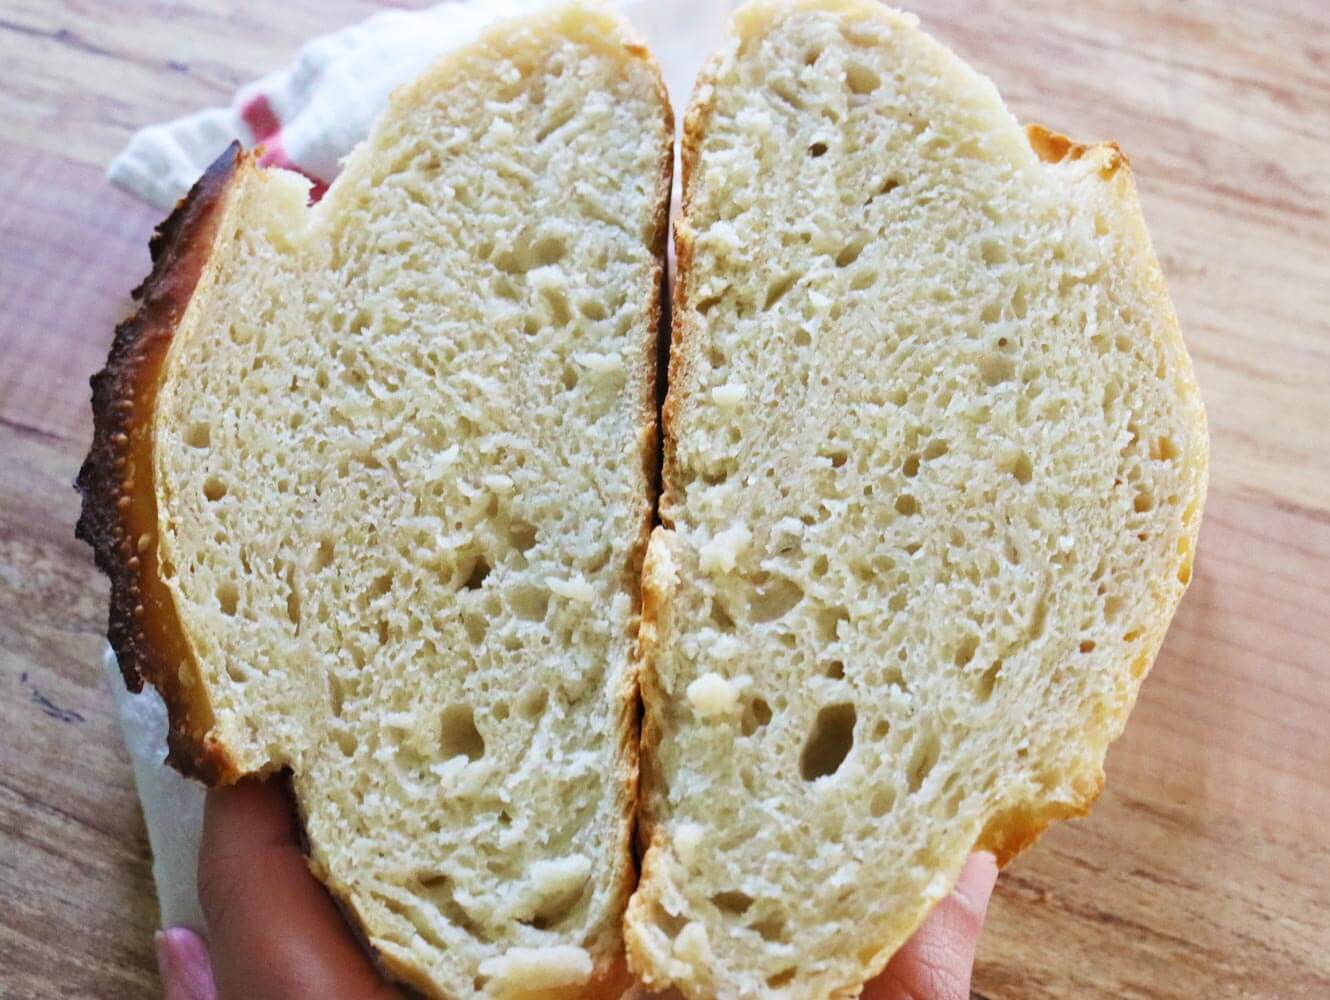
pixel 935 964
pixel 182 962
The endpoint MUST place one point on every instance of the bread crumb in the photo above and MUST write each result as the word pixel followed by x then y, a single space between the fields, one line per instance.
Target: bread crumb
pixel 500 131
pixel 722 552
pixel 693 947
pixel 687 839
pixel 523 970
pixel 575 590
pixel 727 647
pixel 724 235
pixel 712 695
pixel 729 395
pixel 599 364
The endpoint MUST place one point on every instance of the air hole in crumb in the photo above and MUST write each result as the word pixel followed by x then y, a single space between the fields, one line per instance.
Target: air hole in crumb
pixel 732 902
pixel 817 149
pixel 214 489
pixel 988 681
pixel 835 670
pixel 479 571
pixel 530 603
pixel 458 735
pixel 293 603
pixel 862 79
pixel 782 978
pixel 924 759
pixel 757 713
pixel 906 505
pixel 1132 636
pixel 772 928
pixel 569 378
pixel 776 291
pixel 499 711
pixel 851 251
pixel 558 303
pixel 911 466
pixel 862 279
pixel 994 252
pixel 720 617
pixel 476 626
pixel 1144 502
pixel 1021 469
pixel 802 338
pixel 829 743
pixel 1087 646
pixel 198 435
pixel 881 802
pixel 548 250
pixel 1184 571
pixel 775 600
pixel 228 597
pixel 829 621
pixel 996 369
pixel 531 701
pixel 1019 304
pixel 521 535
pixel 966 650
pixel 336 695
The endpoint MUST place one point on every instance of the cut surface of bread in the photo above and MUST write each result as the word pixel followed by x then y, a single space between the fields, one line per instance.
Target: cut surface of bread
pixel 373 481
pixel 934 466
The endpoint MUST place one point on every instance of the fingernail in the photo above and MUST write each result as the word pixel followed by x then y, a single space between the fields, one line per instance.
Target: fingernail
pixel 182 962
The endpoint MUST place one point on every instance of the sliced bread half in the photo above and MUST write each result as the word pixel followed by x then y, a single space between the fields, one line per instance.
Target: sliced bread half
pixel 934 466
pixel 373 480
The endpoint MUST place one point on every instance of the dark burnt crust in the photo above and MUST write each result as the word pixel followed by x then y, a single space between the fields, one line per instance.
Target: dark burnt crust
pixel 119 513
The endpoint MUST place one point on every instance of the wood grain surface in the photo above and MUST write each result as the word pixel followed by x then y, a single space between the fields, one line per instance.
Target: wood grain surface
pixel 1205 869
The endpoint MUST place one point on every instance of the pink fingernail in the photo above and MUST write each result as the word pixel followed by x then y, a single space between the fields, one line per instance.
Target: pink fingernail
pixel 182 962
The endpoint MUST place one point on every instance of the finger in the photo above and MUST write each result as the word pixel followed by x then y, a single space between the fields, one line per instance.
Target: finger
pixel 935 964
pixel 273 930
pixel 182 962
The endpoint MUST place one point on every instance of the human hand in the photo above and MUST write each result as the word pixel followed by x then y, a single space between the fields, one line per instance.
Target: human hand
pixel 935 964
pixel 274 931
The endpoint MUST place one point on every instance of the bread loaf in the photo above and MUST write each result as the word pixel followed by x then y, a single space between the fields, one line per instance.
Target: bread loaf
pixel 934 466
pixel 372 481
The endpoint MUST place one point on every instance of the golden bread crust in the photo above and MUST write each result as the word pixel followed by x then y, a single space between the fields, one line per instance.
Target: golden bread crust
pixel 119 512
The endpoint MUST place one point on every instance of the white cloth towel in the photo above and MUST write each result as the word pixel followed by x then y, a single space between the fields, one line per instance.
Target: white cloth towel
pixel 308 116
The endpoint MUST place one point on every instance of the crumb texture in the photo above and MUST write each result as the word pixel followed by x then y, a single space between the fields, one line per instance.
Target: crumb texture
pixel 403 450
pixel 935 460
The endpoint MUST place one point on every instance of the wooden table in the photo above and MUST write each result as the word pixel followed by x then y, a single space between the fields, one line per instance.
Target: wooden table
pixel 1205 869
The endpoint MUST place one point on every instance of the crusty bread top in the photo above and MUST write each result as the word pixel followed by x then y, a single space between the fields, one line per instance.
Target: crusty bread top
pixel 935 459
pixel 119 511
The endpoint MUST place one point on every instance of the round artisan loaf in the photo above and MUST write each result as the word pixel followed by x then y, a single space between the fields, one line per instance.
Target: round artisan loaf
pixel 934 466
pixel 373 481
